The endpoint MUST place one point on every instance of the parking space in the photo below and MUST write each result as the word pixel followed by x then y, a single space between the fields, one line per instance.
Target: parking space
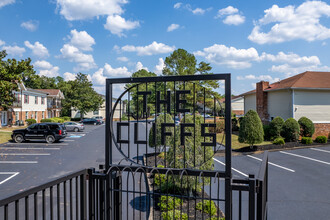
pixel 298 181
pixel 15 157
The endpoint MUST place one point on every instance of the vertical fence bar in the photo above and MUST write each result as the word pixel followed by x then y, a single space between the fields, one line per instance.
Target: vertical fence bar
pixel 58 202
pixel 64 194
pixel 26 207
pixel 17 210
pixel 5 212
pixel 108 110
pixel 91 191
pixel 82 197
pixel 43 204
pixel 252 192
pixel 36 206
pixel 71 208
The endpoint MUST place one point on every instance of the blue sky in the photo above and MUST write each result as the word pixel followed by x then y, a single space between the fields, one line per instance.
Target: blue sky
pixel 253 40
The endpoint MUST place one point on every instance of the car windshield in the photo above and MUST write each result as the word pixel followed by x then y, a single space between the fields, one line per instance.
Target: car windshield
pixel 33 126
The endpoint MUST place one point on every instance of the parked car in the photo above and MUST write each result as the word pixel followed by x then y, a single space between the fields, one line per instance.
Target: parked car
pixel 99 118
pixel 50 132
pixel 91 121
pixel 74 126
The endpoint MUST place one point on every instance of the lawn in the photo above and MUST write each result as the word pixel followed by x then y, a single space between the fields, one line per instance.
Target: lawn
pixel 235 143
pixel 12 128
pixel 4 137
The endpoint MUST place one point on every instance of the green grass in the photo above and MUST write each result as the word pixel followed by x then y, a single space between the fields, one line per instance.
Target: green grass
pixel 5 137
pixel 235 144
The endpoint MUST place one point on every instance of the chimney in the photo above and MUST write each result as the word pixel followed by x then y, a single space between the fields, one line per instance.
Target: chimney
pixel 262 101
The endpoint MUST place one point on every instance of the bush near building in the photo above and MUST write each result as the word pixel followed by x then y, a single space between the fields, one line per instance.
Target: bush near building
pixel 306 140
pixel 307 128
pixel 290 130
pixel 279 141
pixel 56 120
pixel 321 139
pixel 30 121
pixel 251 130
pixel 275 127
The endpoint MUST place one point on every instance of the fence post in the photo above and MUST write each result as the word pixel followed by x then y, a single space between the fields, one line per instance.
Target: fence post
pixel 117 196
pixel 252 193
pixel 83 196
pixel 91 194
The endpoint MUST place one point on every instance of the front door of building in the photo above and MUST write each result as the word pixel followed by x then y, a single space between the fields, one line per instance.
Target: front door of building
pixel 4 118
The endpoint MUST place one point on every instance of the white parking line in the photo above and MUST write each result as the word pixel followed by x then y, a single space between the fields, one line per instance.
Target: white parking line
pixel 13 174
pixel 276 165
pixel 18 161
pixel 326 151
pixel 308 158
pixel 24 154
pixel 231 168
pixel 29 148
pixel 68 140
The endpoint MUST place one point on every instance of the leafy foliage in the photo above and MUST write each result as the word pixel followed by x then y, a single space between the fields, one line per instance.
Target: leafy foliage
pixel 321 139
pixel 307 128
pixel 266 132
pixel 290 130
pixel 161 119
pixel 306 140
pixel 251 130
pixel 160 179
pixel 207 206
pixel 279 141
pixel 275 127
pixel 169 203
pixel 174 215
pixel 30 121
pixel 55 119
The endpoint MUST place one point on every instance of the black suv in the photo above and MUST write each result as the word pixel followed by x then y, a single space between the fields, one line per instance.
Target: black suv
pixel 50 132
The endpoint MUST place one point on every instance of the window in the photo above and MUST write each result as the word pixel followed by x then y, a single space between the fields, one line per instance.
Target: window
pixel 42 100
pixel 16 116
pixel 35 115
pixel 33 127
pixel 17 97
pixel 26 99
pixel 96 112
pixel 26 115
pixel 43 127
pixel 31 114
pixel 36 100
pixel 43 115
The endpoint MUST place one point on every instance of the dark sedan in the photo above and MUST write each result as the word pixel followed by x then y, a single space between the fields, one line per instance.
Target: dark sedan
pixel 91 121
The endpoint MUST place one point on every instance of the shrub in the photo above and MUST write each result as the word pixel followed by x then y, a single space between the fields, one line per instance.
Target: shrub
pixel 168 203
pixel 307 128
pixel 66 118
pixel 55 120
pixel 207 206
pixel 124 118
pixel 174 215
pixel 251 130
pixel 30 121
pixel 275 127
pixel 290 130
pixel 234 124
pixel 279 141
pixel 266 132
pixel 46 120
pixel 306 140
pixel 160 179
pixel 321 139
pixel 159 120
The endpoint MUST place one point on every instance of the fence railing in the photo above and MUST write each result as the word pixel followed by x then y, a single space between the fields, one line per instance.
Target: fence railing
pixel 137 192
pixel 64 198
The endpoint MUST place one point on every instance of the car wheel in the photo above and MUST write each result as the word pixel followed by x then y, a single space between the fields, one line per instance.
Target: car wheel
pixel 50 139
pixel 94 123
pixel 76 129
pixel 18 138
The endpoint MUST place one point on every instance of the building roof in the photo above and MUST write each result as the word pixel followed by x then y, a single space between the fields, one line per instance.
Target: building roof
pixel 36 91
pixel 52 92
pixel 232 98
pixel 308 79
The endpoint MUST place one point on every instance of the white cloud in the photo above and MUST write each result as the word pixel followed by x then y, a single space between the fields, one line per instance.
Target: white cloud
pixel 30 25
pixel 14 50
pixel 229 56
pixel 46 69
pixel 198 11
pixel 291 58
pixel 73 54
pixel 259 78
pixel 226 11
pixel 37 48
pixel 87 9
pixel 232 16
pixel 6 2
pixel 123 59
pixel 151 49
pixel 69 76
pixel 292 23
pixel 2 42
pixel 99 77
pixel 177 5
pixel 160 66
pixel 117 24
pixel 139 66
pixel 82 40
pixel 172 27
pixel 234 20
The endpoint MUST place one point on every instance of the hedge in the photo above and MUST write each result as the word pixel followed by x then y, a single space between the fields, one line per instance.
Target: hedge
pixel 321 139
pixel 275 127
pixel 290 130
pixel 279 141
pixel 30 121
pixel 251 131
pixel 306 140
pixel 56 120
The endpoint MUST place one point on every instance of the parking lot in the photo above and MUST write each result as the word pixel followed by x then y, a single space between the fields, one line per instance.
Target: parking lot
pixel 31 163
pixel 298 181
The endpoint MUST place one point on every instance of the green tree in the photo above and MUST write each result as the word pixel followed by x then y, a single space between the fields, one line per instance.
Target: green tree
pixel 307 127
pixel 80 95
pixel 10 71
pixel 34 81
pixel 251 131
pixel 290 130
